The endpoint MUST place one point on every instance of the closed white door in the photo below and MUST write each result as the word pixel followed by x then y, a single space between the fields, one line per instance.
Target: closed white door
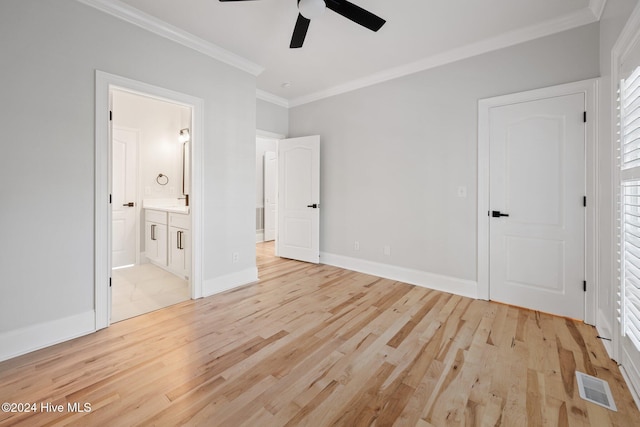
pixel 123 205
pixel 270 195
pixel 537 214
pixel 299 199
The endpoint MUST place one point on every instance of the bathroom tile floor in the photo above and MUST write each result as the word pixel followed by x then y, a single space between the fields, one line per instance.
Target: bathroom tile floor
pixel 143 288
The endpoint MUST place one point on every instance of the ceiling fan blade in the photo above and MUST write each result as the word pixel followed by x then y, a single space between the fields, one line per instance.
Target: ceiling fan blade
pixel 299 32
pixel 356 14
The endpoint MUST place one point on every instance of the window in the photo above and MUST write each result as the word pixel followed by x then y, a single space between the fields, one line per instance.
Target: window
pixel 629 219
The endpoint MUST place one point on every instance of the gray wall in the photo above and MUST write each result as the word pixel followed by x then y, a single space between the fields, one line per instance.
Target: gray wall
pixel 272 118
pixel 614 18
pixel 393 155
pixel 51 50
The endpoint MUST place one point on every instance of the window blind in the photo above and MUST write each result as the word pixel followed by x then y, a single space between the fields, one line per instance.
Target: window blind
pixel 630 206
pixel 630 120
pixel 631 241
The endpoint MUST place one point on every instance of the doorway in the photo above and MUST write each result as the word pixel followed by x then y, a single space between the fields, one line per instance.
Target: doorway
pixel 288 195
pixel 536 200
pixel 150 178
pixel 266 188
pixel 105 85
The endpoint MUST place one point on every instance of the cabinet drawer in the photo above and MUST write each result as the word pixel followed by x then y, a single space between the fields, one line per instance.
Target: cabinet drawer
pixel 180 220
pixel 155 216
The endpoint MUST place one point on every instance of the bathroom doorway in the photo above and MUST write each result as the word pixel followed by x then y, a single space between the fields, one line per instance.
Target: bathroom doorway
pixel 150 204
pixel 180 234
pixel 266 188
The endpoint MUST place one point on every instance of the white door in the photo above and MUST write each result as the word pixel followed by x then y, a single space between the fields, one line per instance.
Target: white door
pixel 123 193
pixel 299 199
pixel 537 215
pixel 270 195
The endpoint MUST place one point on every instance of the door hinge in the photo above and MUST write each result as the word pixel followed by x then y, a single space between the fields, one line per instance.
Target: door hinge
pixel 584 117
pixel 110 115
pixel 584 201
pixel 584 286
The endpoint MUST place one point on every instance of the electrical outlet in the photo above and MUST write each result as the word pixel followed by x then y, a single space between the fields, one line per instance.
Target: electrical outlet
pixel 356 245
pixel 235 257
pixel 386 250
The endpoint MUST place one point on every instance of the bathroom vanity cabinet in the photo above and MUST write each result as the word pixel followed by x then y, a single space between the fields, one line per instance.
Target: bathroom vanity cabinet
pixel 179 260
pixel 156 237
pixel 167 241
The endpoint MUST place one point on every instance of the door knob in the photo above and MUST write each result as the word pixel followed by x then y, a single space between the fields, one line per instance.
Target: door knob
pixel 130 204
pixel 314 206
pixel 498 214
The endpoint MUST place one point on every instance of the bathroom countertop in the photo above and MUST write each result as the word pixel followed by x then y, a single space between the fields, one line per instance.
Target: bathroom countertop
pixel 165 205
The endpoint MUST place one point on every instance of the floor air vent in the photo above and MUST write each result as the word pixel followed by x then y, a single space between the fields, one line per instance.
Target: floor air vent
pixel 595 390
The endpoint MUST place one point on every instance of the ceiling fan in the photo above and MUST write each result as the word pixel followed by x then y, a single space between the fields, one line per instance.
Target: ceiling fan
pixel 309 9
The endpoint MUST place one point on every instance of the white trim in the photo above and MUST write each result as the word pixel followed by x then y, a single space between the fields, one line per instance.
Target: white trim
pixel 136 17
pixel 229 281
pixel 590 90
pixel 603 325
pixel 259 236
pixel 25 340
pixel 269 135
pixel 104 83
pixel 562 23
pixel 631 377
pixel 424 279
pixel 274 99
pixel 150 23
pixel 597 7
pixel 631 373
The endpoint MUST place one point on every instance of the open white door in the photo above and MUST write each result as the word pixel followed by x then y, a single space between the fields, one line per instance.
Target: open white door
pixel 299 199
pixel 124 152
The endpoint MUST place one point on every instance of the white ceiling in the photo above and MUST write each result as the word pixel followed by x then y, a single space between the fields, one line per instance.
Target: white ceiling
pixel 339 55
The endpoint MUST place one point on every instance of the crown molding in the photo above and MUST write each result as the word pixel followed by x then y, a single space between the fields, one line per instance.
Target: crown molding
pixel 597 7
pixel 136 17
pixel 274 99
pixel 582 17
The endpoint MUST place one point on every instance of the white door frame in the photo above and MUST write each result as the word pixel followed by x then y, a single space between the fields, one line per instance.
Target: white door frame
pixel 590 90
pixel 104 83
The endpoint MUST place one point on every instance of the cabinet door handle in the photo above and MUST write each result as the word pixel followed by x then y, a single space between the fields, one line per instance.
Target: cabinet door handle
pixel 179 240
pixel 153 232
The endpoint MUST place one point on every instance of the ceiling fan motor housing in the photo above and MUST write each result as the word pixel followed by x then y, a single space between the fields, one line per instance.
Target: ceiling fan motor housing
pixel 311 9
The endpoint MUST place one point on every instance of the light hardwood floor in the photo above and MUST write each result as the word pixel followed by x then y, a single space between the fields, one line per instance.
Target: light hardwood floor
pixel 317 345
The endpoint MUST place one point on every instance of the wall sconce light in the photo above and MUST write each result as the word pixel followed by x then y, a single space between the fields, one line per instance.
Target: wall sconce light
pixel 184 135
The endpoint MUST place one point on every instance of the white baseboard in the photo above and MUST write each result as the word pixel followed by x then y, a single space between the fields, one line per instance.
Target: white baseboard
pixel 631 375
pixel 30 338
pixel 230 281
pixel 465 288
pixel 603 326
pixel 259 236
